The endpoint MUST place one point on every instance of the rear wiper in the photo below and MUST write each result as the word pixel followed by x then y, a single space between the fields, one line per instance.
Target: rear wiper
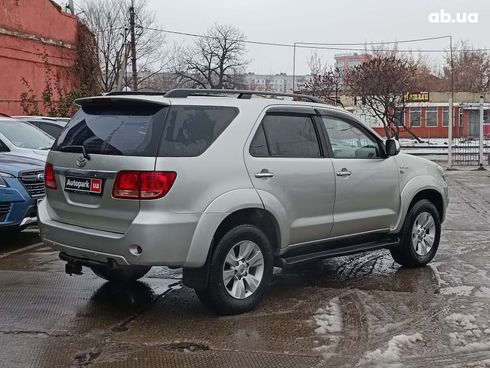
pixel 79 147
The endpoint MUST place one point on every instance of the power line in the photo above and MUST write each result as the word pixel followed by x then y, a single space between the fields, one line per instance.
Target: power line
pixel 328 46
pixel 318 45
pixel 375 43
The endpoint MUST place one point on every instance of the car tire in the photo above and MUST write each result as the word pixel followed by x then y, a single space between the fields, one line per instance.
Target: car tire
pixel 121 275
pixel 240 271
pixel 420 236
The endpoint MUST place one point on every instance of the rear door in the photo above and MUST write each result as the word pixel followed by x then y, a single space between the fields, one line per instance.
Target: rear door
pixel 116 135
pixel 286 159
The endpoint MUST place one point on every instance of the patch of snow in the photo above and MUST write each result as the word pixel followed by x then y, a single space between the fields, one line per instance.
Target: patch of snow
pixel 329 319
pixel 483 292
pixel 393 353
pixel 462 320
pixel 437 274
pixel 329 325
pixel 463 290
pixel 474 346
pixel 387 327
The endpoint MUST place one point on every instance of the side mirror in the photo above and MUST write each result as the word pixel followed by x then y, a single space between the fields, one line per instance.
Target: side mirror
pixel 392 147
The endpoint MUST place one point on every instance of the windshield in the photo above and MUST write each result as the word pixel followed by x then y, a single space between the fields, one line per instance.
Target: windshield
pixel 24 135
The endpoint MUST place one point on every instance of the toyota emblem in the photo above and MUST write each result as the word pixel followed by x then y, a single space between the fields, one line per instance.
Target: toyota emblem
pixel 81 161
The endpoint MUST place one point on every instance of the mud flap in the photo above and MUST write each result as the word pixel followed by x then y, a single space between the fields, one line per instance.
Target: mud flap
pixel 198 278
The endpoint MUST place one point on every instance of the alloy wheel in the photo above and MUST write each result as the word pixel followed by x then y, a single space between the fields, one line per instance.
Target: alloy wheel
pixel 423 233
pixel 243 269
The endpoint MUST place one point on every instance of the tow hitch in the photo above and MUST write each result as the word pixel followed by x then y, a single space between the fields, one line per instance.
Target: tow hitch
pixel 73 268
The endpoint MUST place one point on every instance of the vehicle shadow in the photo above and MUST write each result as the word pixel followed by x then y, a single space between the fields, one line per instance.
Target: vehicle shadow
pixel 131 296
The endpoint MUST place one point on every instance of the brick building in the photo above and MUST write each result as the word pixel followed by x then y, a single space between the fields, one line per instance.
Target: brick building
pixel 344 62
pixel 29 29
pixel 430 119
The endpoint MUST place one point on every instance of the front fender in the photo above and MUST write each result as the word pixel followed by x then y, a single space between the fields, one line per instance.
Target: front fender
pixel 212 217
pixel 410 190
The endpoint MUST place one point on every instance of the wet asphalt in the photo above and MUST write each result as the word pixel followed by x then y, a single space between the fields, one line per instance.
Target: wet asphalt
pixel 357 311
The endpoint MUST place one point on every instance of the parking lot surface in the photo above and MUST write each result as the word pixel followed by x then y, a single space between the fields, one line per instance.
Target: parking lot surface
pixel 357 311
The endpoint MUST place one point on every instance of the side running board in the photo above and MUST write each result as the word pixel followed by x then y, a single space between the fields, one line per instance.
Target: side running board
pixel 288 261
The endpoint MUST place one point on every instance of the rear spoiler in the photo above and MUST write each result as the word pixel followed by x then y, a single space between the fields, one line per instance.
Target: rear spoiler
pixel 101 100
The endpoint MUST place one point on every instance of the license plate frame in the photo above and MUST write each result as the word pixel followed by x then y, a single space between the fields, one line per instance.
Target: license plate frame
pixel 80 185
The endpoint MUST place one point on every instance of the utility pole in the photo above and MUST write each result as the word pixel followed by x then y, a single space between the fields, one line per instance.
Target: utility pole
pixel 71 6
pixel 482 111
pixel 124 64
pixel 294 65
pixel 451 110
pixel 133 46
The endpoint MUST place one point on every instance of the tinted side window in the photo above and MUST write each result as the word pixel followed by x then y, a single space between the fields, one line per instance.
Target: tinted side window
pixel 291 136
pixel 258 147
pixel 53 130
pixel 348 141
pixel 190 130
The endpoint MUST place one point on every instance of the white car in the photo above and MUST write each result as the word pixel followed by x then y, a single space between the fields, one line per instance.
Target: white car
pixel 23 139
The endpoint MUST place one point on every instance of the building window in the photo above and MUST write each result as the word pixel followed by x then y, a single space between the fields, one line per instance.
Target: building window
pixel 399 117
pixel 415 117
pixel 432 116
pixel 445 117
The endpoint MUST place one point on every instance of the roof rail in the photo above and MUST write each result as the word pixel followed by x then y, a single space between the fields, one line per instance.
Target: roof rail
pixel 134 93
pixel 242 94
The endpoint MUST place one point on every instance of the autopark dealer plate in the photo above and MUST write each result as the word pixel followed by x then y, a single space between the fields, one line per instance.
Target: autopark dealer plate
pixel 84 185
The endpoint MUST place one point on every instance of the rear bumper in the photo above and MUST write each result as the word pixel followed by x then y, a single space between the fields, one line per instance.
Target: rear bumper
pixel 165 239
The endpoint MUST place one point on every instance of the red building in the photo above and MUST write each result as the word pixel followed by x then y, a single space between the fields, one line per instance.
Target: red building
pixel 429 117
pixel 28 30
pixel 430 120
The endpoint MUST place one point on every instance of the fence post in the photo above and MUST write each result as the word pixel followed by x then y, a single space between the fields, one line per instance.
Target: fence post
pixel 482 101
pixel 450 133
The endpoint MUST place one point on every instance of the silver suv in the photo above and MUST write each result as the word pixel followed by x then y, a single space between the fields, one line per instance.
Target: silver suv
pixel 228 187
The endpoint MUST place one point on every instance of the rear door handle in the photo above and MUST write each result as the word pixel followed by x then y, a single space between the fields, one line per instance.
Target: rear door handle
pixel 264 174
pixel 344 172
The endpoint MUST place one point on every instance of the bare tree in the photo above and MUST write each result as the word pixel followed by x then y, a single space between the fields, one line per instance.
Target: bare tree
pixel 216 60
pixel 109 20
pixel 382 83
pixel 325 82
pixel 427 77
pixel 471 69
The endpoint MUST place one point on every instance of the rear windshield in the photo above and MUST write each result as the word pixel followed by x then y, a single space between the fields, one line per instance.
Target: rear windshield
pixel 114 128
pixel 144 129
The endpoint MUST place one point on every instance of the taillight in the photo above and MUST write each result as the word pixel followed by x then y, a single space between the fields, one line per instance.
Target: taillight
pixel 127 185
pixel 49 177
pixel 143 184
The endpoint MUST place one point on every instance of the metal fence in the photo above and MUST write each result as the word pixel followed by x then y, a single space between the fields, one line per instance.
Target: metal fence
pixel 466 151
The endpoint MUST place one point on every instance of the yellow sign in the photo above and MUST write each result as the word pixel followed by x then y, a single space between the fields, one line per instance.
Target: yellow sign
pixel 417 97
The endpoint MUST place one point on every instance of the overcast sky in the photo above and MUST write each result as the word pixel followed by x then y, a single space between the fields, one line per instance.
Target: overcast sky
pixel 344 21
